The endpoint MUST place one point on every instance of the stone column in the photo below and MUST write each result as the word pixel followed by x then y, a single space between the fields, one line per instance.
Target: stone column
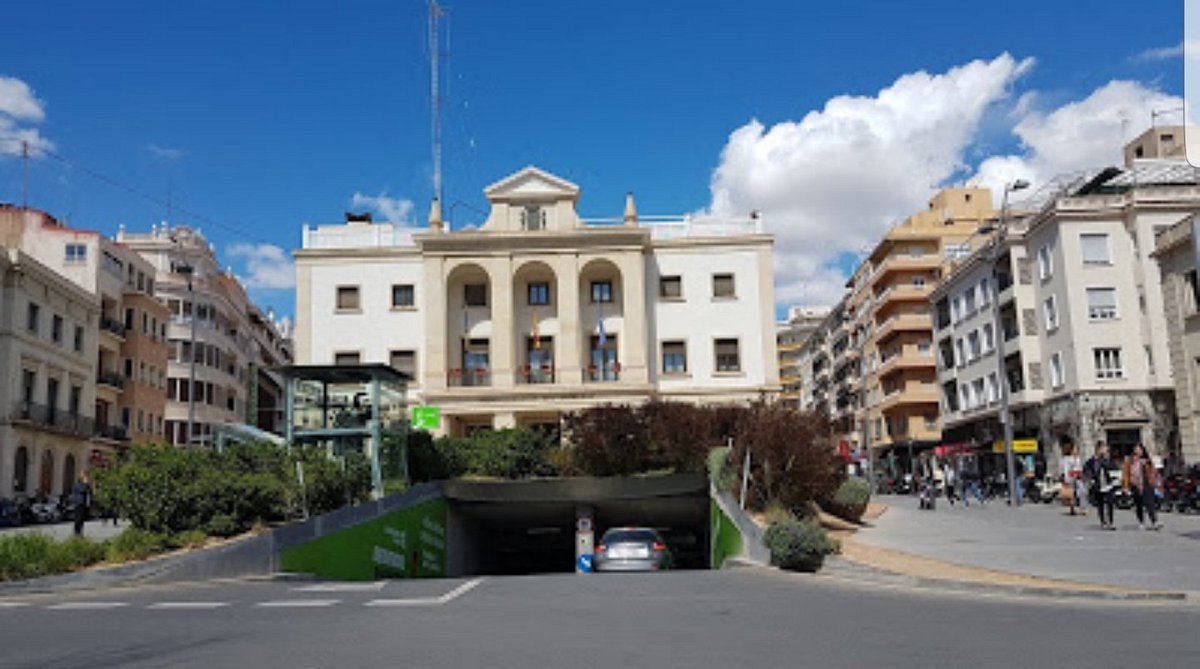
pixel 568 354
pixel 433 367
pixel 633 352
pixel 502 351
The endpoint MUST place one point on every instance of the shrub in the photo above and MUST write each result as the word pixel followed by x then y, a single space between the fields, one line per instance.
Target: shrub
pixel 30 555
pixel 135 544
pixel 509 454
pixel 850 499
pixel 791 459
pixel 189 539
pixel 720 473
pixel 798 545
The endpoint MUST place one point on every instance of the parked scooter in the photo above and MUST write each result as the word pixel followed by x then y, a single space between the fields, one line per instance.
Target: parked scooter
pixel 46 512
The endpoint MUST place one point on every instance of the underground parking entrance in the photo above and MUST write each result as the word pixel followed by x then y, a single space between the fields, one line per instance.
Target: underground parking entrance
pixel 530 527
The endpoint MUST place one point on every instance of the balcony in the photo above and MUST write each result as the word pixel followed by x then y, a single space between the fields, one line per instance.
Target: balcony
pixel 111 379
pixel 601 374
pixel 470 377
pixel 52 418
pixel 907 359
pixel 914 394
pixel 903 323
pixel 904 292
pixel 536 374
pixel 899 263
pixel 112 327
pixel 112 432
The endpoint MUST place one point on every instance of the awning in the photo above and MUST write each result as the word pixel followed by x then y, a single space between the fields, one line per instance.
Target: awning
pixel 952 449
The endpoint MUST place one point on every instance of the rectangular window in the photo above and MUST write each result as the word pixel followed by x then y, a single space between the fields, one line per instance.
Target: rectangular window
pixel 956 308
pixel 28 382
pixel 475 295
pixel 1102 303
pixel 56 327
pixel 75 400
pixel 989 337
pixel 32 316
pixel 993 388
pixel 977 390
pixel 969 302
pixel 533 218
pixel 347 298
pixel 403 295
pixel 601 291
pixel 1094 249
pixel 723 285
pixel 918 281
pixel 404 361
pixel 76 253
pixel 985 292
pixel 973 343
pixel 78 339
pixel 670 288
pixel 129 319
pixel 1045 262
pixel 674 357
pixel 1108 363
pixel 539 294
pixel 960 352
pixel 1050 308
pixel 475 358
pixel 728 359
pixel 1057 377
pixel 346 358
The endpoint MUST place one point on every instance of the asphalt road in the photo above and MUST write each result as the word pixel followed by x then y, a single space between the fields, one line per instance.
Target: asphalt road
pixel 750 618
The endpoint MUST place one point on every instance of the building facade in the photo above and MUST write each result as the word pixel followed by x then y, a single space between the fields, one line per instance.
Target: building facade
pixel 539 312
pixel 1176 253
pixel 1082 328
pixel 48 347
pixel 221 350
pixel 795 363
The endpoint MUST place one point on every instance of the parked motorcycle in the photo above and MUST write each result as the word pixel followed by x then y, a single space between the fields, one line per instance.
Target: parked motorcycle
pixel 46 512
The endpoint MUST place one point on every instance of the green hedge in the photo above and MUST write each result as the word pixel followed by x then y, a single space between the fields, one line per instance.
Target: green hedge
pixel 850 499
pixel 30 555
pixel 799 545
pixel 508 454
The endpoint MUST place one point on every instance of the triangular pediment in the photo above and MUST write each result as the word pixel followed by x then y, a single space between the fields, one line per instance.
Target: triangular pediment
pixel 533 184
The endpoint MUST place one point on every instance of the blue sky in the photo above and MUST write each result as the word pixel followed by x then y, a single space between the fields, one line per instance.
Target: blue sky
pixel 261 116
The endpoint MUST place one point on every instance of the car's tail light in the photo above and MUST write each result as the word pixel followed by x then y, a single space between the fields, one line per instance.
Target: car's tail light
pixel 659 546
pixel 600 548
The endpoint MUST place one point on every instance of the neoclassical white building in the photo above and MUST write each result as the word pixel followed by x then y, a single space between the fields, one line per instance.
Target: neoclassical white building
pixel 538 311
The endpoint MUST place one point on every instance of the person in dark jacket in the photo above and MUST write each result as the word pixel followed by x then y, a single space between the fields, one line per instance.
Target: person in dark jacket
pixel 81 497
pixel 1104 478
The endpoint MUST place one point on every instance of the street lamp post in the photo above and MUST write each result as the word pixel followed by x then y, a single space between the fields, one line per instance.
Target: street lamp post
pixel 1002 371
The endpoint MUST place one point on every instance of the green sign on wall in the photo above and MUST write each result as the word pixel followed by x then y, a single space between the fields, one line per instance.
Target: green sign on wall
pixel 410 543
pixel 426 418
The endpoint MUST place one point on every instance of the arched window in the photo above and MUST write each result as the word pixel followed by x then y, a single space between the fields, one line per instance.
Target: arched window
pixel 68 479
pixel 21 470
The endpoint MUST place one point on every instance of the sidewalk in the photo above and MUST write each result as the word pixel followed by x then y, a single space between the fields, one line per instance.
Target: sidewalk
pixel 1034 546
pixel 92 529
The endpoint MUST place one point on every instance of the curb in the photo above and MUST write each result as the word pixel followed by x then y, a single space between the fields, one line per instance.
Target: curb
pixel 860 572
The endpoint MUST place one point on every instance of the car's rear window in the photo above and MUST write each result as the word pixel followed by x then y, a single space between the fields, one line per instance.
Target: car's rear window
pixel 630 536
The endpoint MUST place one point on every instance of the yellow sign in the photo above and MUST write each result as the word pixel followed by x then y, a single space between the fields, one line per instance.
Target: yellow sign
pixel 1019 446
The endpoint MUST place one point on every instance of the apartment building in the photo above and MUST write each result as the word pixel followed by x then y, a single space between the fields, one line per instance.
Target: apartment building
pixel 227 377
pixel 539 311
pixel 48 347
pixel 791 335
pixel 1177 254
pixel 1082 329
pixel 130 374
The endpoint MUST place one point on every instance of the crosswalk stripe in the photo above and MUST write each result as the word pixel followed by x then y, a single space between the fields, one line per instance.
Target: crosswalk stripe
pixel 86 606
pixel 342 587
pixel 13 605
pixel 298 603
pixel 187 605
pixel 428 601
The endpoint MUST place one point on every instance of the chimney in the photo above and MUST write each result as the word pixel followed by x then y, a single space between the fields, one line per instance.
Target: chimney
pixel 435 216
pixel 631 215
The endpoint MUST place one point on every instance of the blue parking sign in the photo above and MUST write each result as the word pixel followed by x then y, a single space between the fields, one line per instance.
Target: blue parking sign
pixel 585 563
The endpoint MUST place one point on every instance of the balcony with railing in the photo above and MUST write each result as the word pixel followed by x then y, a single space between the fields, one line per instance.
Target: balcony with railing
pixel 112 326
pixel 610 371
pixel 469 377
pixel 111 379
pixel 536 374
pixel 52 418
pixel 112 432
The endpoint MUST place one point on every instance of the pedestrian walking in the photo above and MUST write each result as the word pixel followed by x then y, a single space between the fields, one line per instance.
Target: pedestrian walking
pixel 1071 477
pixel 1104 479
pixel 969 474
pixel 950 479
pixel 926 482
pixel 81 497
pixel 1140 479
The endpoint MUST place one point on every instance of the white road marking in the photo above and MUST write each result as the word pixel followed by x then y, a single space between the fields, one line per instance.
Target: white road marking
pixel 343 587
pixel 298 603
pixel 13 605
pixel 187 605
pixel 86 606
pixel 428 601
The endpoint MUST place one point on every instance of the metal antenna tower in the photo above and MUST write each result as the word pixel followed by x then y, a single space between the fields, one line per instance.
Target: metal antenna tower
pixel 435 99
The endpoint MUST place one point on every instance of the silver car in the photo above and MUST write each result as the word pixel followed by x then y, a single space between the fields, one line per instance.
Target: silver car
pixel 631 549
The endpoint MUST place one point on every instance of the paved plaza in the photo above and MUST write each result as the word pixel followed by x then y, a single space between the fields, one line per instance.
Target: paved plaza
pixel 1043 540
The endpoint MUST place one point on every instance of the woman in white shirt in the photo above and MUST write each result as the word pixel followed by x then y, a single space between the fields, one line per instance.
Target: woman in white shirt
pixel 1072 475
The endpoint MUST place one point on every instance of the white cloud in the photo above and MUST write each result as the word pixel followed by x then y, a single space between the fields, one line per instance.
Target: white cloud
pixel 397 211
pixel 1080 135
pixel 268 267
pixel 831 183
pixel 164 152
pixel 1160 53
pixel 19 108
